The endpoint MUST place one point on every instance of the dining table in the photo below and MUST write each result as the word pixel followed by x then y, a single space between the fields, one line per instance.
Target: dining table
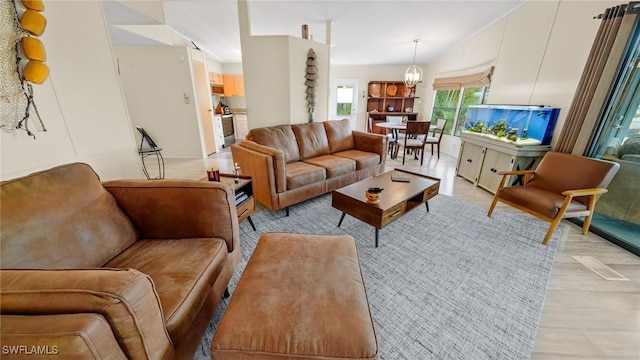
pixel 395 129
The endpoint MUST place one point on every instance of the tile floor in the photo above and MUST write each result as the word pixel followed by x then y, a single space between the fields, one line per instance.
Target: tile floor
pixel 584 316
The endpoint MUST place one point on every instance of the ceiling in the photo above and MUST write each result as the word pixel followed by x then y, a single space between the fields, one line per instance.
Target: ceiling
pixel 372 32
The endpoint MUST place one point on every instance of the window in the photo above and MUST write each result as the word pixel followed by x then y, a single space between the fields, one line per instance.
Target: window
pixel 471 96
pixel 445 106
pixel 344 100
pixel 448 105
pixel 451 106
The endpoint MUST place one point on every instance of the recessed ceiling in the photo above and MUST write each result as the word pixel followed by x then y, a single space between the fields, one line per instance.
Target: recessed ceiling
pixel 373 32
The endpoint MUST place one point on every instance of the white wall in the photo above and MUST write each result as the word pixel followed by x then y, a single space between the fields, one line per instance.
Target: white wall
pixel 274 70
pixel 539 52
pixel 159 89
pixel 298 52
pixel 266 84
pixel 81 103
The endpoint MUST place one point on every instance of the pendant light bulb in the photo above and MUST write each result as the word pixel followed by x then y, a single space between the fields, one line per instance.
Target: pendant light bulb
pixel 413 74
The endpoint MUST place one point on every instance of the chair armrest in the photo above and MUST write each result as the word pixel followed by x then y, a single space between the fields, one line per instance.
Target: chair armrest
pixel 584 192
pixel 516 172
pixel 126 298
pixel 66 336
pixel 179 209
pixel 527 176
pixel 374 143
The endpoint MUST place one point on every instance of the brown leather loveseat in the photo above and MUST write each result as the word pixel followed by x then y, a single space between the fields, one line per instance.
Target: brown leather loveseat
pixel 292 163
pixel 122 269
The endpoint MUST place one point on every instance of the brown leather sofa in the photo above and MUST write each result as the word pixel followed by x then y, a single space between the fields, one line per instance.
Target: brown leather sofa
pixel 122 269
pixel 292 163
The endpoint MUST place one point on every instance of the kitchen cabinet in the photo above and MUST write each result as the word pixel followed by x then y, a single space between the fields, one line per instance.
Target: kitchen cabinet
pixel 215 78
pixel 481 158
pixel 241 126
pixel 389 98
pixel 233 85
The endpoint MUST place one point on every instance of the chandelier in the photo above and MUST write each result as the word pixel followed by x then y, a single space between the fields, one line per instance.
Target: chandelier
pixel 413 75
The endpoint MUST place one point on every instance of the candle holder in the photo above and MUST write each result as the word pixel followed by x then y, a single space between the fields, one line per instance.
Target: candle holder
pixel 213 175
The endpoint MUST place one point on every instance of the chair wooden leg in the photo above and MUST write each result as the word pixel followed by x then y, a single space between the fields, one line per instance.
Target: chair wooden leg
pixel 421 156
pixel 587 219
pixel 552 228
pixel 432 151
pixel 438 151
pixel 587 223
pixel 493 204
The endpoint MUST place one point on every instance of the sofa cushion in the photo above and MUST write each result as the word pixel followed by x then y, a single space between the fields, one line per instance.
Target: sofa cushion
pixel 312 139
pixel 363 159
pixel 279 137
pixel 334 165
pixel 182 271
pixel 61 218
pixel 339 135
pixel 300 174
pixel 77 336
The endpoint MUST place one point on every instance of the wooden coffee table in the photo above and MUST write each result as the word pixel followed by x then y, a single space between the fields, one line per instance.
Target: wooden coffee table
pixel 397 198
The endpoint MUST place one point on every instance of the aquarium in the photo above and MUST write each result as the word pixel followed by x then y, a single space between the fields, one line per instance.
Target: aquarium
pixel 518 124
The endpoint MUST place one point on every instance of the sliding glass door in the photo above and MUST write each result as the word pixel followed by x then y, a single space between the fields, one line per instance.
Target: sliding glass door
pixel 617 215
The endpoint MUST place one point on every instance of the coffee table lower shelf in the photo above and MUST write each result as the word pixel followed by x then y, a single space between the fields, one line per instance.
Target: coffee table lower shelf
pixel 397 198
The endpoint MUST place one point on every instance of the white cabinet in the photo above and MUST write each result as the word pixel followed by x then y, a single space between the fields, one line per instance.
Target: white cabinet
pixel 217 131
pixel 494 161
pixel 469 161
pixel 480 159
pixel 241 126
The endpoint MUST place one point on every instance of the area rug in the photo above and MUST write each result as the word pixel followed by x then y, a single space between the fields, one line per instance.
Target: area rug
pixel 451 283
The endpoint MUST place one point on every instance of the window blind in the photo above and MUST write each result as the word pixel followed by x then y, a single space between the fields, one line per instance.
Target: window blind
pixel 482 78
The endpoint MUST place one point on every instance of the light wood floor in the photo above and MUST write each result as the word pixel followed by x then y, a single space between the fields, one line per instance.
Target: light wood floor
pixel 584 316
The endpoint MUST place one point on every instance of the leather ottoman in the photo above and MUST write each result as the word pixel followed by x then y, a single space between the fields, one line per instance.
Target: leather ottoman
pixel 301 297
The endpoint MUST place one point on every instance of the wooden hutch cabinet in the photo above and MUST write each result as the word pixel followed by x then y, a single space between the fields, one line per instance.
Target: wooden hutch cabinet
pixel 389 98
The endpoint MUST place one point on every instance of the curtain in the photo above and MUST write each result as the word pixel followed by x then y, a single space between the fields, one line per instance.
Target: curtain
pixel 482 78
pixel 597 78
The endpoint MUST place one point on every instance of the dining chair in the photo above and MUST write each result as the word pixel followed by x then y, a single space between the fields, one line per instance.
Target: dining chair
pixel 395 134
pixel 414 139
pixel 436 136
pixel 562 186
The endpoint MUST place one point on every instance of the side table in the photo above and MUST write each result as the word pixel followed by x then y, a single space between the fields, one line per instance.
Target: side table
pixel 245 203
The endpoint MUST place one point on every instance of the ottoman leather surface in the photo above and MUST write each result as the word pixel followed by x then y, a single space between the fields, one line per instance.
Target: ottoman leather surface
pixel 300 297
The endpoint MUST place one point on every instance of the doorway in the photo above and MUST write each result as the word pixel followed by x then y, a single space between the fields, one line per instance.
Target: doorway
pixel 203 98
pixel 344 101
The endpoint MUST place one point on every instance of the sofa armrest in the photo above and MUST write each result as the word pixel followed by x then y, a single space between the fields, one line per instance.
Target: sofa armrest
pixel 66 336
pixel 267 169
pixel 179 209
pixel 374 143
pixel 126 298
